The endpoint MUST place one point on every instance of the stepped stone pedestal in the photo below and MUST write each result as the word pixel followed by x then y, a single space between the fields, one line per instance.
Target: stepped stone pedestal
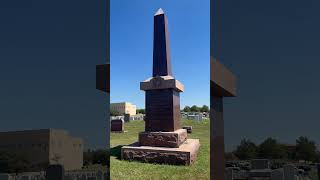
pixel 163 141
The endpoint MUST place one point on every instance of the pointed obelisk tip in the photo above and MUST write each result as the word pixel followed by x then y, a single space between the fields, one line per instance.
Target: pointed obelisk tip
pixel 159 12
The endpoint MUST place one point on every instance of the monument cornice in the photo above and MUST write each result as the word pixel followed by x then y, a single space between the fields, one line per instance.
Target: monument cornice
pixel 161 82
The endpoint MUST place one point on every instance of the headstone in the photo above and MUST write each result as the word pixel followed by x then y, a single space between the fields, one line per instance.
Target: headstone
pixel 288 172
pixel 55 172
pixel 163 134
pixel 126 117
pixel 188 128
pixel 117 125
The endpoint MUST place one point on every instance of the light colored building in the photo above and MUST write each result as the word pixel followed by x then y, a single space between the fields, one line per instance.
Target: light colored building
pixel 45 146
pixel 124 108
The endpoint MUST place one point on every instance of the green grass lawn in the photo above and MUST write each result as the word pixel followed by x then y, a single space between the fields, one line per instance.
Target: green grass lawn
pixel 120 169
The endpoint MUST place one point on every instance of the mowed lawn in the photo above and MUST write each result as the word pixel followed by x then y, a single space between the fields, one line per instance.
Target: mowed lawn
pixel 120 169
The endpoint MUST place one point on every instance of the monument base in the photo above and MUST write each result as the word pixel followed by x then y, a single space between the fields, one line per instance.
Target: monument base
pixel 186 154
pixel 163 139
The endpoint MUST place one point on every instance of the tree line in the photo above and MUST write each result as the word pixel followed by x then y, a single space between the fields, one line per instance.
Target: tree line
pixel 304 149
pixel 195 108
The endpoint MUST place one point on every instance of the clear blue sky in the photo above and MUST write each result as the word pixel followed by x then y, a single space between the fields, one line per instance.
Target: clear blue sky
pixel 132 40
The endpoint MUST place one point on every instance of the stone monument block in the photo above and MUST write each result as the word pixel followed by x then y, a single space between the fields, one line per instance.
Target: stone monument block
pixel 186 154
pixel 117 125
pixel 163 139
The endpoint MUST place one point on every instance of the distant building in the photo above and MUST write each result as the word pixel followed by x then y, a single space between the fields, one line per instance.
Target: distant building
pixel 45 146
pixel 124 108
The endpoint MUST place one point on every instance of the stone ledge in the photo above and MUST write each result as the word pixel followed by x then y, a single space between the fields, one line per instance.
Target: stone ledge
pixel 163 139
pixel 161 82
pixel 186 154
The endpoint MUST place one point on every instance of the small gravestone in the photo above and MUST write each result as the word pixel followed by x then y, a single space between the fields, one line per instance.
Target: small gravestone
pixel 188 128
pixel 117 125
pixel 126 117
pixel 288 171
pixel 55 172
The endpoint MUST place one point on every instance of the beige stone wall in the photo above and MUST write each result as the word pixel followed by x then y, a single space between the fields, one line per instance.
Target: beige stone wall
pixel 124 108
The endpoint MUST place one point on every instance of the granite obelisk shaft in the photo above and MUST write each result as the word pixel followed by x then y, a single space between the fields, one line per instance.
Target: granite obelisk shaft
pixel 162 99
pixel 161 48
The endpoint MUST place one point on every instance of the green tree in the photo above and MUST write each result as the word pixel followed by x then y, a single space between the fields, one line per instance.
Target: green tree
pixel 271 149
pixel 141 111
pixel 306 149
pixel 13 163
pixel 186 109
pixel 204 108
pixel 246 150
pixel 115 113
pixel 194 108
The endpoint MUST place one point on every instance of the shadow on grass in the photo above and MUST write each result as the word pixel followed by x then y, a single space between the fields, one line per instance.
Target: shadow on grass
pixel 116 151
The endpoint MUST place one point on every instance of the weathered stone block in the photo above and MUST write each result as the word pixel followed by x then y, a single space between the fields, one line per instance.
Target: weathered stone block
pixel 163 139
pixel 186 154
pixel 117 125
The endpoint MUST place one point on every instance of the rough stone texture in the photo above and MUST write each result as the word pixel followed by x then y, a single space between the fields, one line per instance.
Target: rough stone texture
pixel 117 125
pixel 186 154
pixel 163 139
pixel 188 128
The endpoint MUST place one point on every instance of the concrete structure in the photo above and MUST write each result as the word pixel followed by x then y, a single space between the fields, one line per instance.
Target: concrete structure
pixel 222 84
pixel 45 146
pixel 164 141
pixel 124 108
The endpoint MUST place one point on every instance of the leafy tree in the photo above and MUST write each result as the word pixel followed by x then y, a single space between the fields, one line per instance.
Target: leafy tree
pixel 96 157
pixel 115 113
pixel 141 111
pixel 306 149
pixel 246 150
pixel 271 149
pixel 204 108
pixel 186 109
pixel 13 163
pixel 194 108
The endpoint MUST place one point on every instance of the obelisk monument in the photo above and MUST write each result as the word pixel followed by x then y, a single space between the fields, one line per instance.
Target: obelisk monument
pixel 163 140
